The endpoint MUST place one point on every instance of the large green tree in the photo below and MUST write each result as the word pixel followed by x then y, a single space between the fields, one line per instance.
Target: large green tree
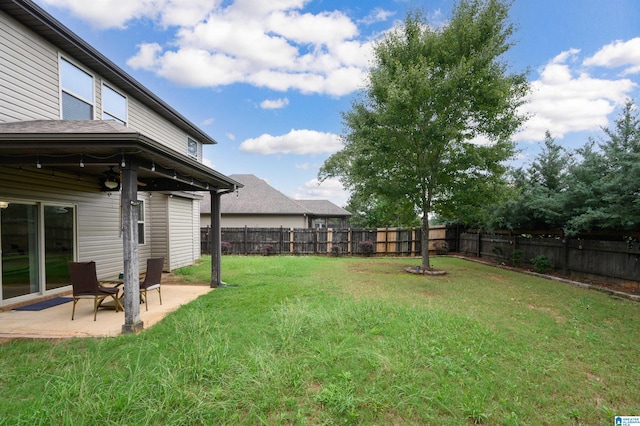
pixel 539 192
pixel 432 92
pixel 605 186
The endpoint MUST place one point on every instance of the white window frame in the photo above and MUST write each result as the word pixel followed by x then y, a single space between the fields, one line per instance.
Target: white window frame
pixel 122 120
pixel 91 102
pixel 191 141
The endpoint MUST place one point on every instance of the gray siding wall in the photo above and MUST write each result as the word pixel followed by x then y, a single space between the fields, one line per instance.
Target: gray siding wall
pixel 29 87
pixel 151 124
pixel 181 232
pixel 263 221
pixel 195 211
pixel 28 74
pixel 158 207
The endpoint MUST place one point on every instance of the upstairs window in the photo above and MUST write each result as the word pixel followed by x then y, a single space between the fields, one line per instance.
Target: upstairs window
pixel 114 105
pixel 192 148
pixel 76 87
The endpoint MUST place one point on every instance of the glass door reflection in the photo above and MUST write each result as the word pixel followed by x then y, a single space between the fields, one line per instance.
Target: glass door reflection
pixel 19 237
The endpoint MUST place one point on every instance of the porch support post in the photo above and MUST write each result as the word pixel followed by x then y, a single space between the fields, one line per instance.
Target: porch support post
pixel 129 199
pixel 216 232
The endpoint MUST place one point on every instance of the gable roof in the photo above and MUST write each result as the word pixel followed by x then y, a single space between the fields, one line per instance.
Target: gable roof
pixel 38 20
pixel 258 197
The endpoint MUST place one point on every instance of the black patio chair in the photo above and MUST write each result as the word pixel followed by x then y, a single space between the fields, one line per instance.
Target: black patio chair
pixel 84 280
pixel 152 279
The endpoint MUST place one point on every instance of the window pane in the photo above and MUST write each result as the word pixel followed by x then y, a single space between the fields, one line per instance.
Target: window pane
pixel 58 245
pixel 106 116
pixel 75 109
pixel 19 237
pixel 114 104
pixel 140 233
pixel 76 81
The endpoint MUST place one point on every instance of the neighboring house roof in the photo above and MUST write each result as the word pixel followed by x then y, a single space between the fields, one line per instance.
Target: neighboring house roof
pixel 323 208
pixel 258 197
pixel 43 24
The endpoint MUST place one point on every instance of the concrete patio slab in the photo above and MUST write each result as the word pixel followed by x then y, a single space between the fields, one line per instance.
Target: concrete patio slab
pixel 56 323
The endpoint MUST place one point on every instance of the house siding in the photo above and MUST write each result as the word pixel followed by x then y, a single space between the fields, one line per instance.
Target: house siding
pixel 30 88
pixel 158 211
pixel 263 221
pixel 195 211
pixel 151 124
pixel 181 232
pixel 28 74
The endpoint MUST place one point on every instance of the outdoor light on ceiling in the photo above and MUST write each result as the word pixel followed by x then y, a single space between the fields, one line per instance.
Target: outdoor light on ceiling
pixel 4 204
pixel 110 180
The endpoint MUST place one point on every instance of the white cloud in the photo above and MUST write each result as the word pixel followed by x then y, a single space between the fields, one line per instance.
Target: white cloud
pixel 208 121
pixel 295 142
pixel 377 15
pixel 274 44
pixel 618 54
pixel 303 166
pixel 117 13
pixel 330 189
pixel 231 136
pixel 274 103
pixel 565 99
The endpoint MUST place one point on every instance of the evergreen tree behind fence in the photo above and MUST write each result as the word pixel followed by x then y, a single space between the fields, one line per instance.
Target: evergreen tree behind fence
pixel 336 242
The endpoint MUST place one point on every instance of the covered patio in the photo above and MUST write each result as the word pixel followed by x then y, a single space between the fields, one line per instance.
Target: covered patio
pixel 113 158
pixel 55 322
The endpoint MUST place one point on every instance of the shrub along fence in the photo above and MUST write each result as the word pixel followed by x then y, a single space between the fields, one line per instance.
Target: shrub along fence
pixel 337 242
pixel 616 261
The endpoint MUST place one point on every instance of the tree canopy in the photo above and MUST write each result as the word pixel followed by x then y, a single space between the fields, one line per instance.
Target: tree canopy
pixel 597 187
pixel 433 126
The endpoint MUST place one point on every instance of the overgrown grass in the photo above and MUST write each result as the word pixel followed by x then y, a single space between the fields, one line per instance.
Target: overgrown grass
pixel 305 340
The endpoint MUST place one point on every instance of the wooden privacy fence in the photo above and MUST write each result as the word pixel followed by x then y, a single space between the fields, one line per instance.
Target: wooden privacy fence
pixel 386 241
pixel 617 261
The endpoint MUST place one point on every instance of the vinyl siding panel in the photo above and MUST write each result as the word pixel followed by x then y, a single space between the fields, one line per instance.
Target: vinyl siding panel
pixel 28 74
pixel 195 210
pixel 181 230
pixel 158 205
pixel 151 124
pixel 263 221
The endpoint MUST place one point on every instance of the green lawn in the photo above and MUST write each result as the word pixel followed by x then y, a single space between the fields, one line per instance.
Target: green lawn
pixel 307 340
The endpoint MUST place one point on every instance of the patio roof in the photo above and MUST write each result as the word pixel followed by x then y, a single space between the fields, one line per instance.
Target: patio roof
pixel 90 147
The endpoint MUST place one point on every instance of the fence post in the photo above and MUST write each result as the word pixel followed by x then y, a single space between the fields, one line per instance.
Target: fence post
pixel 565 257
pixel 479 243
pixel 244 242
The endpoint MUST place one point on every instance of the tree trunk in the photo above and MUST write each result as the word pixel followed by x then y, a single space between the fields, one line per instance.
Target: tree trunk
pixel 425 241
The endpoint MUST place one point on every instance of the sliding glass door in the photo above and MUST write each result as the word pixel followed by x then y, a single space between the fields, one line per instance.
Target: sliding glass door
pixel 19 235
pixel 58 245
pixel 31 236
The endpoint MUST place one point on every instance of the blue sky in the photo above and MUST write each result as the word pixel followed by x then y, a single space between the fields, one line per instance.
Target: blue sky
pixel 268 79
